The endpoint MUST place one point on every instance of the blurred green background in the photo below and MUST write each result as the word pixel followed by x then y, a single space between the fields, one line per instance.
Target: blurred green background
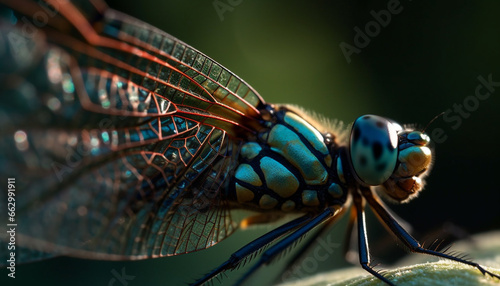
pixel 426 59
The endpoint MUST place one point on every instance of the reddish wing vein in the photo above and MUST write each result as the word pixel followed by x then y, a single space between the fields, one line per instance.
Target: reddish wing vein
pixel 126 140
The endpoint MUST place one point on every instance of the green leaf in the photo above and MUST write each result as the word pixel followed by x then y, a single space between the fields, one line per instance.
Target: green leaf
pixel 484 249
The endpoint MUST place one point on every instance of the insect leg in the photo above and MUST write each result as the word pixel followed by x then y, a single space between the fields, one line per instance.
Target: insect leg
pixel 239 256
pixel 348 251
pixel 364 252
pixel 407 239
pixel 307 247
pixel 286 242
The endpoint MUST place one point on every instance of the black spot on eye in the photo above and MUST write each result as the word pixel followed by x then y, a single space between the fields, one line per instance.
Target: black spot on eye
pixel 362 161
pixel 365 141
pixel 367 117
pixel 380 167
pixel 390 147
pixel 380 124
pixel 377 150
pixel 356 134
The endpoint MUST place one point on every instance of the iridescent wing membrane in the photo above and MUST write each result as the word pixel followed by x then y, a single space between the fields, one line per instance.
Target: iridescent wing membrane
pixel 121 138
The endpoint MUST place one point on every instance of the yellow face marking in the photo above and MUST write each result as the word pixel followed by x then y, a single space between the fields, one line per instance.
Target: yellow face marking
pixel 335 190
pixel 288 206
pixel 246 174
pixel 278 178
pixel 243 194
pixel 310 198
pixel 414 159
pixel 267 202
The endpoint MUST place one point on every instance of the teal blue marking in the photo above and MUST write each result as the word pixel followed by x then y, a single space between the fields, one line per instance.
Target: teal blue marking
pixel 245 173
pixel 414 136
pixel 287 143
pixel 340 170
pixel 335 190
pixel 105 137
pixel 148 134
pixel 250 150
pixel 419 137
pixel 134 136
pixel 278 178
pixel 310 198
pixel 67 84
pixel 308 131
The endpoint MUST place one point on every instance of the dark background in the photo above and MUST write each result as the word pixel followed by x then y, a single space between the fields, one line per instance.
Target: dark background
pixel 426 59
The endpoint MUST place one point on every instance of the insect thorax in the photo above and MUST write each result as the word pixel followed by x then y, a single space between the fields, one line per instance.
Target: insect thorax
pixel 290 167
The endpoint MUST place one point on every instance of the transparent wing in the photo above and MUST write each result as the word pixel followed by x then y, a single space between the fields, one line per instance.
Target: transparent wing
pixel 121 138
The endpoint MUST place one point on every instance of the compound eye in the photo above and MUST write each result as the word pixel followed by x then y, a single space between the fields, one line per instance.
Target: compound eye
pixel 374 149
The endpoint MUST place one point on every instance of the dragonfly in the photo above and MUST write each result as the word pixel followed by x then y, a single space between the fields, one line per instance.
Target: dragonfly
pixel 129 144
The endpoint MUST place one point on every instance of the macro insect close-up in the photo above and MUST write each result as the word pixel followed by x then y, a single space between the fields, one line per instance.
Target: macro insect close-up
pixel 134 155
